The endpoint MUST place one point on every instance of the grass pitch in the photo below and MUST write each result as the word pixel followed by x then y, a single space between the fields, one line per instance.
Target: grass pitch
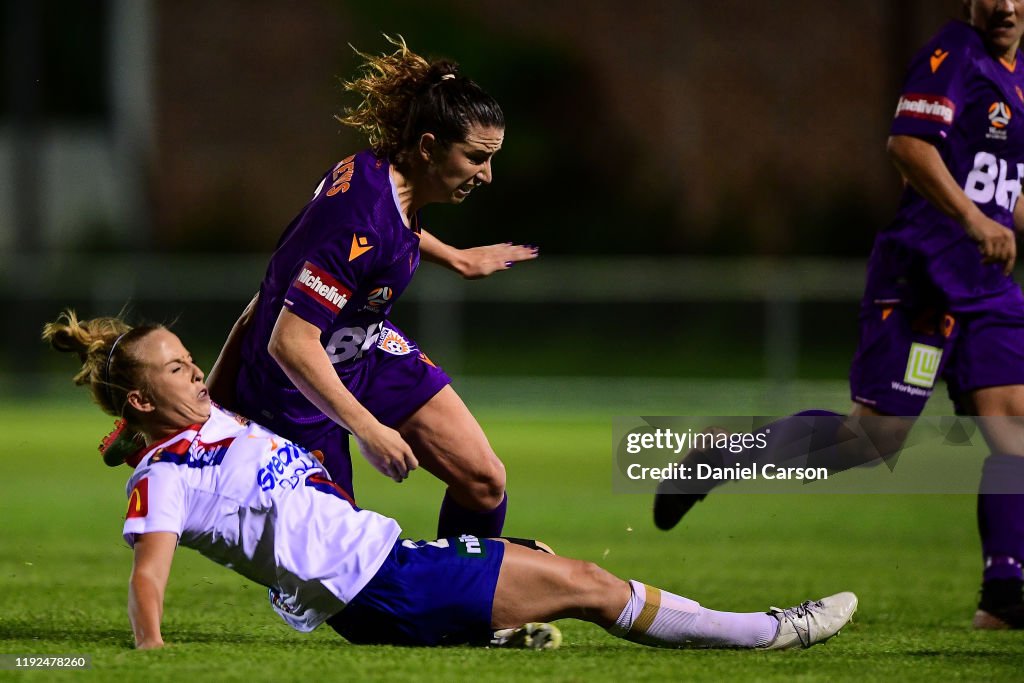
pixel 913 560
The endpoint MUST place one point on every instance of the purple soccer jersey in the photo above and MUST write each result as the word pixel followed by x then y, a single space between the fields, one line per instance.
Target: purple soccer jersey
pixel 340 265
pixel 970 105
pixel 931 308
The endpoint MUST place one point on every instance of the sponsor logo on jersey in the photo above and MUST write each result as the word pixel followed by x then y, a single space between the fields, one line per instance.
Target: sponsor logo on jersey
pixel 138 500
pixel 351 342
pixel 194 453
pixel 927 107
pixel 995 179
pixel 286 468
pixel 206 454
pixel 393 343
pixel 378 298
pixel 999 116
pixel 938 57
pixel 470 546
pixel 360 245
pixel 922 365
pixel 322 287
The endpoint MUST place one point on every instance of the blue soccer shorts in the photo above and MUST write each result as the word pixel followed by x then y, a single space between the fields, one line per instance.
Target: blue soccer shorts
pixel 427 593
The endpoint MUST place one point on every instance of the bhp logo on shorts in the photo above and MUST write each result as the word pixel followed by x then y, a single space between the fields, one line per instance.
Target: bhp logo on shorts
pixel 923 365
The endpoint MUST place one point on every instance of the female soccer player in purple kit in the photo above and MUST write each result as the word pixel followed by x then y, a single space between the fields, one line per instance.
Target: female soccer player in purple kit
pixel 940 300
pixel 318 358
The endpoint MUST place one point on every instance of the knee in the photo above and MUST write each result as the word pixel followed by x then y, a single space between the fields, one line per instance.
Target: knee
pixel 484 488
pixel 590 577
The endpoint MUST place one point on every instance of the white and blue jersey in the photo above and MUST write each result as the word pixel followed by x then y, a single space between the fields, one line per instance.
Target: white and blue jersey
pixel 264 507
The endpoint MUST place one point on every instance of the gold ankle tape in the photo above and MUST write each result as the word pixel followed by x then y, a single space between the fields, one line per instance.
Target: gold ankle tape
pixel 652 603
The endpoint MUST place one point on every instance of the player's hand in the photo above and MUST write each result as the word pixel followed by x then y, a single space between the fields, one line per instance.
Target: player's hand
pixel 478 262
pixel 387 451
pixel 995 242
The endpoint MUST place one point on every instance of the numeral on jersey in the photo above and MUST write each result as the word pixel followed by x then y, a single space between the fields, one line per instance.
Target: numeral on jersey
pixel 988 181
pixel 351 342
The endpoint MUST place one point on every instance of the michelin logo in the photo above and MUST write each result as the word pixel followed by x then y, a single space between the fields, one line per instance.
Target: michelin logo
pixel 925 107
pixel 328 291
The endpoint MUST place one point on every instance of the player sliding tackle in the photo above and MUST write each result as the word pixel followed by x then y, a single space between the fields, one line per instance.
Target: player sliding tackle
pixel 264 506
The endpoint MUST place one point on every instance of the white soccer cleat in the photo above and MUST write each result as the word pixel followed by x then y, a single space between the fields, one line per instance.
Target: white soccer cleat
pixel 535 635
pixel 812 622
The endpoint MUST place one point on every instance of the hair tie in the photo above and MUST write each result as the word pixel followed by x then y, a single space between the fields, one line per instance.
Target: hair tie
pixel 447 76
pixel 106 368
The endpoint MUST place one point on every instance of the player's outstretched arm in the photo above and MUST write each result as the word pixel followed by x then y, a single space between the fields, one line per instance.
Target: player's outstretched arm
pixel 224 373
pixel 920 163
pixel 476 262
pixel 153 555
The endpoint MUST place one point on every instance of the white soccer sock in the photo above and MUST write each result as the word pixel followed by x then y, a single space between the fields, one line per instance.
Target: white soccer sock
pixel 656 617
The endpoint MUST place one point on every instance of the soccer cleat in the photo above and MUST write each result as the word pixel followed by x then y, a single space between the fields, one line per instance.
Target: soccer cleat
pixel 670 505
pixel 535 635
pixel 812 621
pixel 1001 605
pixel 999 618
pixel 674 498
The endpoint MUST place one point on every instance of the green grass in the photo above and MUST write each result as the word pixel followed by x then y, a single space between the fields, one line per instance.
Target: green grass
pixel 914 560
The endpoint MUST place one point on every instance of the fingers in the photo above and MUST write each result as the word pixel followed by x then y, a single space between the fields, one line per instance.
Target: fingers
pixel 399 468
pixel 998 245
pixel 508 253
pixel 389 454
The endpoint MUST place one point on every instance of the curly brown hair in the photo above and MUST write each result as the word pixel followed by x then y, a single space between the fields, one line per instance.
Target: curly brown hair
pixel 105 348
pixel 403 96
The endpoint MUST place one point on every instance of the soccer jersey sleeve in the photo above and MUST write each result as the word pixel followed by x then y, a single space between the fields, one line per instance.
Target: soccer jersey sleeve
pixel 329 273
pixel 933 93
pixel 156 502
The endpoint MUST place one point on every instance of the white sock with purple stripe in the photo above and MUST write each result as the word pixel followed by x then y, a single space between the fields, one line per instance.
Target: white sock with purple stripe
pixel 656 617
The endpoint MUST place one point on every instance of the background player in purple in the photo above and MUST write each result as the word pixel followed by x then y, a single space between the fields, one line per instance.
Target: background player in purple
pixel 315 355
pixel 252 501
pixel 940 300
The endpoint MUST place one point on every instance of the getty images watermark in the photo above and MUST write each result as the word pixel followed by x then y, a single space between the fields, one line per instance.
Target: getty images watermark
pixel 813 454
pixel 711 469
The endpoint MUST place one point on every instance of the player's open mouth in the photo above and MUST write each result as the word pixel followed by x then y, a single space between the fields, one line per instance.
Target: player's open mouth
pixel 203 394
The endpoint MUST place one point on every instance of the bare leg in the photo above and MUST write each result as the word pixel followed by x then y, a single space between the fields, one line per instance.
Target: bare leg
pixel 535 586
pixel 450 444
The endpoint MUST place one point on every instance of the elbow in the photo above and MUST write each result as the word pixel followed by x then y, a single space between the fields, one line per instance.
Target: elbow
pixel 895 149
pixel 275 347
pixel 278 345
